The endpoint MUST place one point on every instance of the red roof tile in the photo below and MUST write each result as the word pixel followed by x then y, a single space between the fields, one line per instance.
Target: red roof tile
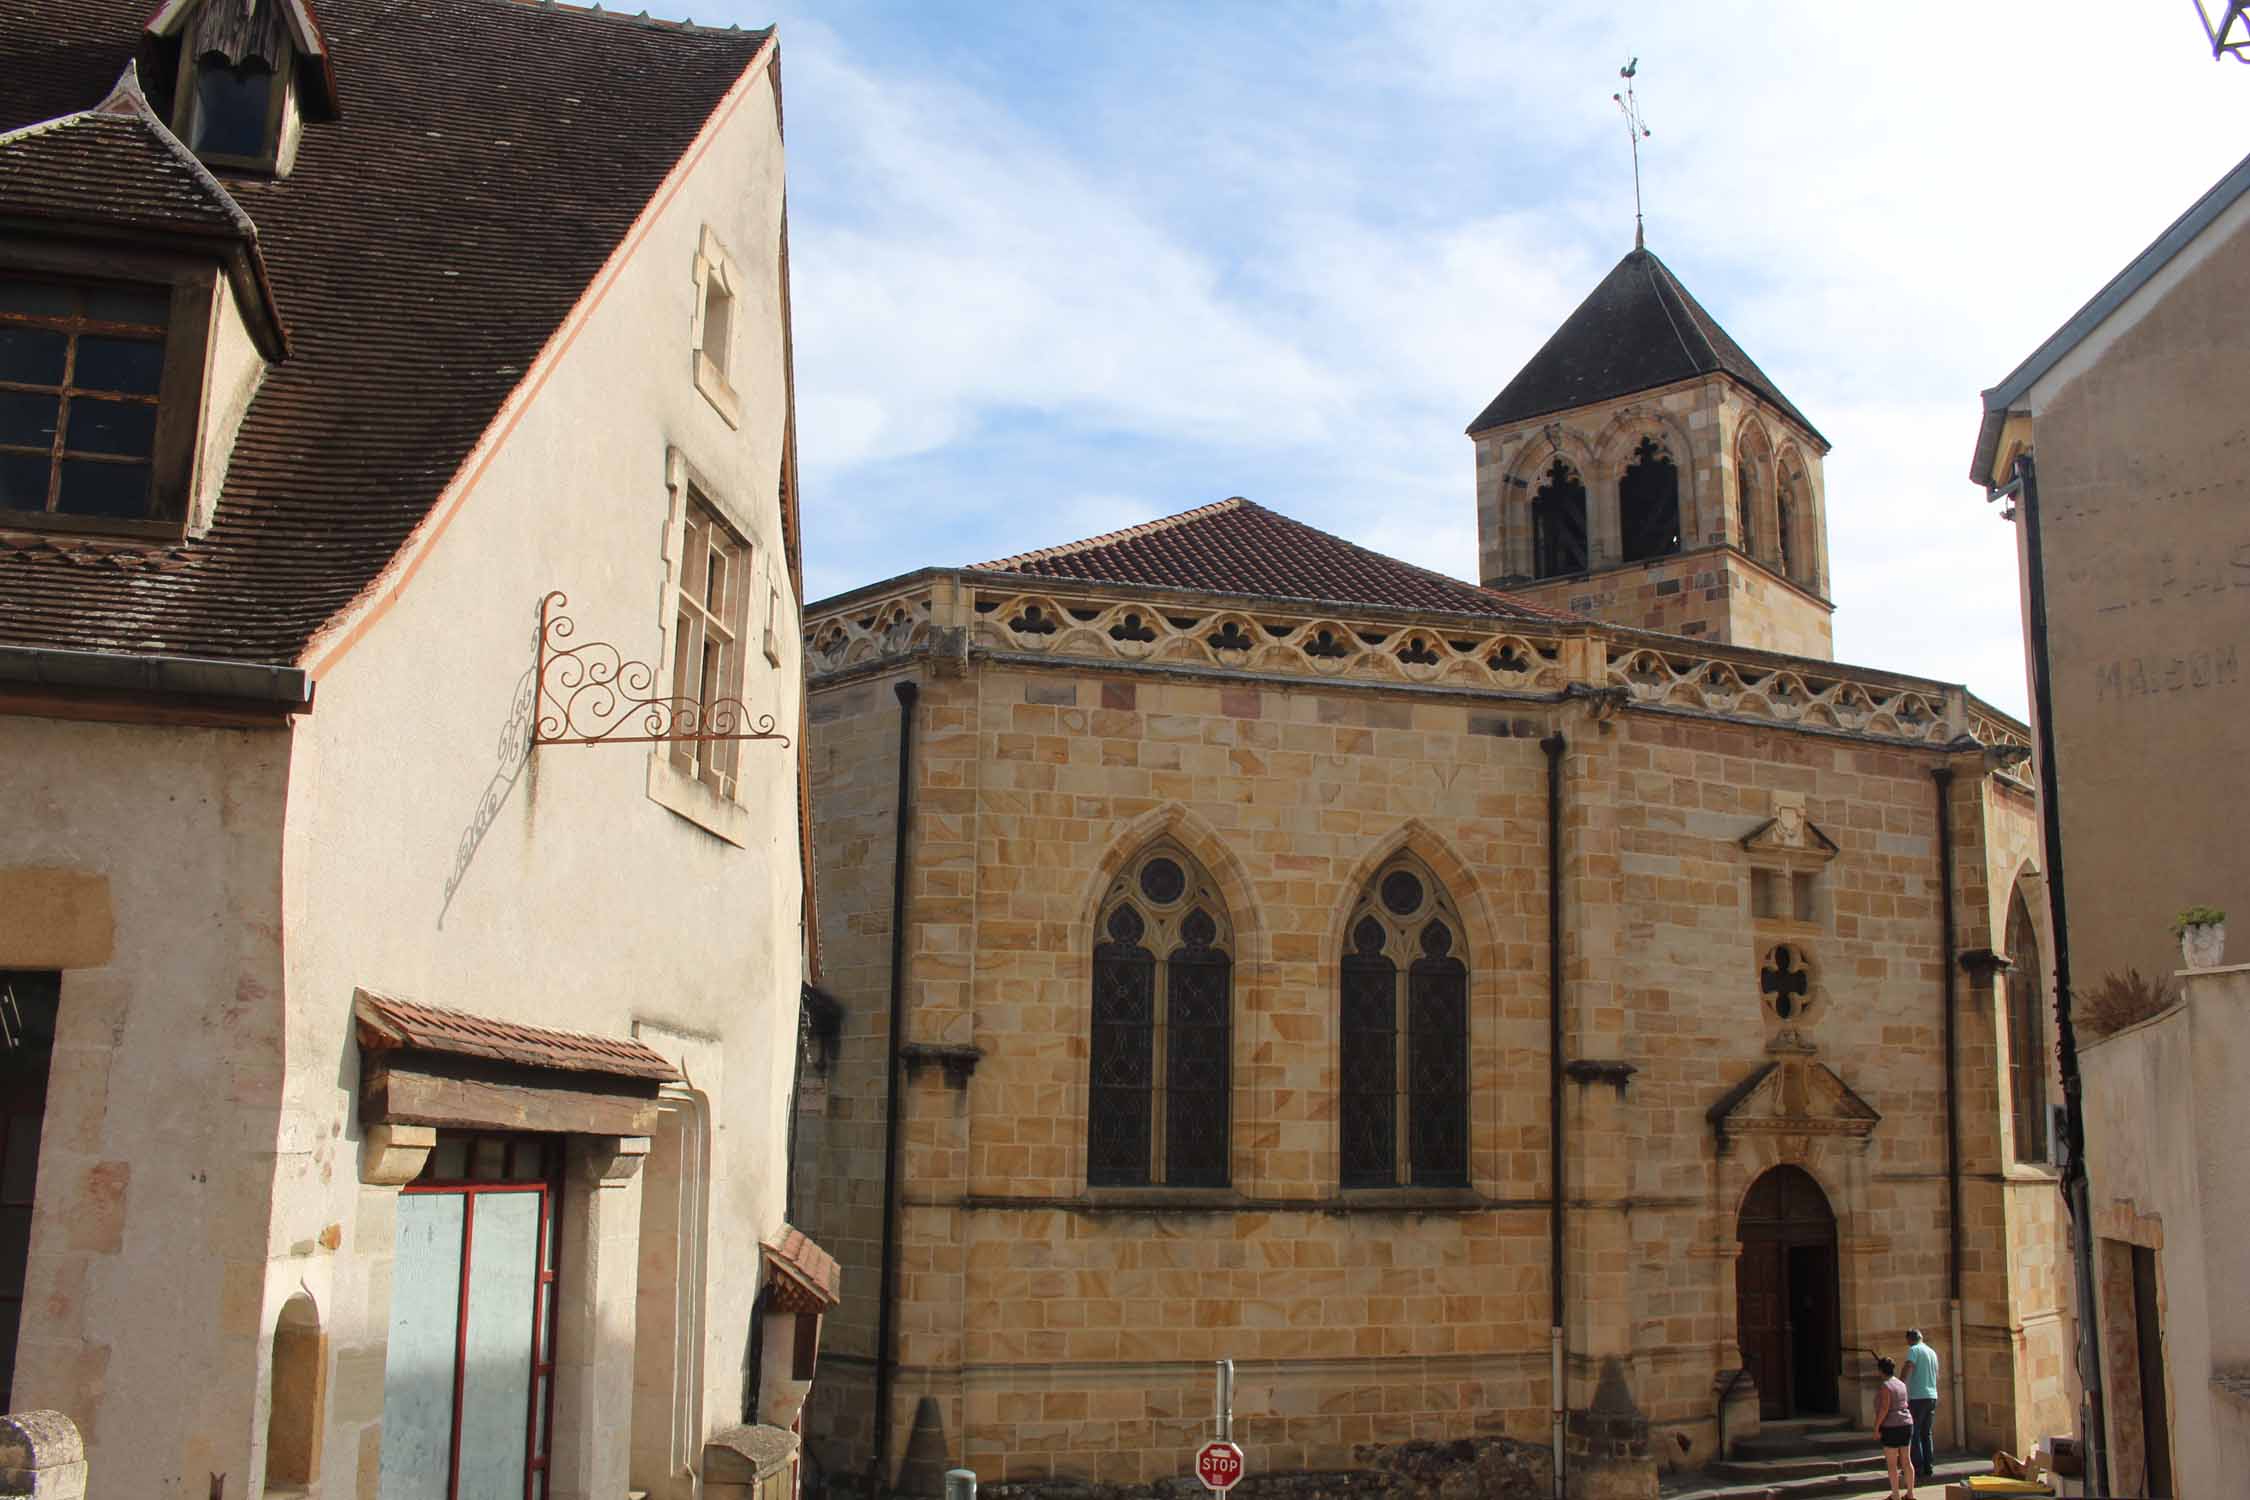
pixel 490 157
pixel 1236 547
pixel 384 1023
pixel 812 1268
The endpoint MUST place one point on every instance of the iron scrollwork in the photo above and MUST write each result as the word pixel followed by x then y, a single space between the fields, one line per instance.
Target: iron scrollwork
pixel 592 694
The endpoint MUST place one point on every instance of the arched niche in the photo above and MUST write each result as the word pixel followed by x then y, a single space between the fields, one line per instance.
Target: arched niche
pixel 299 1391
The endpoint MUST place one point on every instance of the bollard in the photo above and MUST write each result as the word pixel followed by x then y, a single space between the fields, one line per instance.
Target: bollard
pixel 960 1484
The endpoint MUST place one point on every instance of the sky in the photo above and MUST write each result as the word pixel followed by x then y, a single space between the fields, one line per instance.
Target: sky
pixel 1062 268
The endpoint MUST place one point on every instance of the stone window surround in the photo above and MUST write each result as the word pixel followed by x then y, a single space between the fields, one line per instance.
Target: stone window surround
pixel 669 786
pixel 712 377
pixel 182 389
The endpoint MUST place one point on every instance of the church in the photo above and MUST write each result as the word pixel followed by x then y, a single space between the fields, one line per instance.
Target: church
pixel 1570 1007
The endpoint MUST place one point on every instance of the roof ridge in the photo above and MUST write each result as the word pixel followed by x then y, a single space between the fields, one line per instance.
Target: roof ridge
pixel 1107 538
pixel 1412 567
pixel 619 14
pixel 1709 360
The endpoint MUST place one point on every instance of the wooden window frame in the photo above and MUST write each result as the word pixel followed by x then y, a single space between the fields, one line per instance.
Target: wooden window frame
pixel 710 543
pixel 193 286
pixel 277 101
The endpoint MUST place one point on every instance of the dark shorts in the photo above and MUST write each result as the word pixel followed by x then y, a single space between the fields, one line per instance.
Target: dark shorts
pixel 1898 1437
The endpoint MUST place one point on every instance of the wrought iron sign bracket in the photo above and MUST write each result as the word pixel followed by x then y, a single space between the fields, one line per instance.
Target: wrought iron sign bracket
pixel 592 694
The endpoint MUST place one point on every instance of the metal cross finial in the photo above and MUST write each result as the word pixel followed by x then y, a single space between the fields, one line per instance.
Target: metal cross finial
pixel 1637 130
pixel 2231 36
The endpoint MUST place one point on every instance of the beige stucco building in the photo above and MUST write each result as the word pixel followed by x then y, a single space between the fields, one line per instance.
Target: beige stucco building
pixel 401 947
pixel 1405 988
pixel 2115 446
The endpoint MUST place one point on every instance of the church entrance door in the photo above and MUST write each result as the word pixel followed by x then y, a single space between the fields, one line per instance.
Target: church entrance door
pixel 1786 1294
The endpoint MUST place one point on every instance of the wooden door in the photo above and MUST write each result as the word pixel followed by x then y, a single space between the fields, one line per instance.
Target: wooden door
pixel 29 1002
pixel 1758 1291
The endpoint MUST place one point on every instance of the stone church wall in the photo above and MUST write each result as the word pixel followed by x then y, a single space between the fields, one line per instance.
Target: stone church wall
pixel 1066 1332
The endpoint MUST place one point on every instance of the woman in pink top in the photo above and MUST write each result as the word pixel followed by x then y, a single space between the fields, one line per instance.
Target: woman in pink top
pixel 1894 1428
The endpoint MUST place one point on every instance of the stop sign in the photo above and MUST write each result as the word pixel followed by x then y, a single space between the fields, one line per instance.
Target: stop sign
pixel 1218 1464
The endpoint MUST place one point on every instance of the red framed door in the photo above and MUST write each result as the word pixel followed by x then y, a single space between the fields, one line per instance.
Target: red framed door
pixel 468 1382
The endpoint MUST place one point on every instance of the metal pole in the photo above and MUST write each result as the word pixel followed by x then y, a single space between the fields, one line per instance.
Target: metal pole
pixel 1226 1400
pixel 960 1484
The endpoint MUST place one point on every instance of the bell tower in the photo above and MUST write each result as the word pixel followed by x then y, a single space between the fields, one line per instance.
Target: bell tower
pixel 1642 469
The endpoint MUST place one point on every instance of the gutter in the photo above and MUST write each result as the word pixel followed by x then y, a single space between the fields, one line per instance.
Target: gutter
pixel 886 1361
pixel 139 674
pixel 2077 1200
pixel 1554 745
pixel 1942 776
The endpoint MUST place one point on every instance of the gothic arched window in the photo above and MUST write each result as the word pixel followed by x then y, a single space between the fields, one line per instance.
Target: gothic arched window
pixel 2027 1046
pixel 1403 1019
pixel 1746 502
pixel 1648 503
pixel 1789 541
pixel 1163 1028
pixel 1558 523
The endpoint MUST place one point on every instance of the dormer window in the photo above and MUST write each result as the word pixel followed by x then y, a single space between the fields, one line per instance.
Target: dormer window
pixel 235 118
pixel 250 73
pixel 82 375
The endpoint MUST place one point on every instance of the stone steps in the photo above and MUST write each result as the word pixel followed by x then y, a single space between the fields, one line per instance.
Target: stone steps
pixel 1802 1477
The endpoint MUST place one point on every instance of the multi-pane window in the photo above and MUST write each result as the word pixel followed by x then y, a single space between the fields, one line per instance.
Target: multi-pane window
pixel 707 646
pixel 1162 1029
pixel 81 364
pixel 1403 1107
pixel 2027 1049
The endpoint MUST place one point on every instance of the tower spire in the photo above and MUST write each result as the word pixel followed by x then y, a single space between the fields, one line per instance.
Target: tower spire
pixel 1636 129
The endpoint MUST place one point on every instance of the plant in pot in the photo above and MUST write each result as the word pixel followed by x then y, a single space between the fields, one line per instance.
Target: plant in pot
pixel 2202 931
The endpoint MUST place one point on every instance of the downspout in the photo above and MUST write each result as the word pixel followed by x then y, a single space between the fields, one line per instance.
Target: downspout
pixel 1553 744
pixel 886 1287
pixel 2076 1196
pixel 1950 938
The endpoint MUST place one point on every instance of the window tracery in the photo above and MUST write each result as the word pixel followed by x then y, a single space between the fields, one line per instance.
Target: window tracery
pixel 1161 1043
pixel 1558 522
pixel 1403 1021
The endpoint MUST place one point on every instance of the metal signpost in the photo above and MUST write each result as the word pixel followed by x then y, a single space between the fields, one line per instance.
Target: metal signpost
pixel 1218 1463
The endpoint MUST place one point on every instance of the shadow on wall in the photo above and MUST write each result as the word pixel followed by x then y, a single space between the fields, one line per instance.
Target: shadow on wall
pixel 513 753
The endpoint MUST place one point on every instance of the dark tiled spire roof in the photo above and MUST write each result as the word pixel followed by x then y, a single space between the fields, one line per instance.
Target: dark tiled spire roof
pixel 490 157
pixel 1636 331
pixel 1236 547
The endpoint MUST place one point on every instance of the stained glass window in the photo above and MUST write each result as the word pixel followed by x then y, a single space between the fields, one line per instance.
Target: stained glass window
pixel 1403 1021
pixel 1160 1075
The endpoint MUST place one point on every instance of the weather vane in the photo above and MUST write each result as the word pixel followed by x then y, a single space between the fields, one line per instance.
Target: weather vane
pixel 1637 129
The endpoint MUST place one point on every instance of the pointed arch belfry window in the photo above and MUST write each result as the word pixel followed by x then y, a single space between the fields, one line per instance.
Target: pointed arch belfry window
pixel 1648 503
pixel 1558 522
pixel 1162 1028
pixel 1746 502
pixel 1403 1022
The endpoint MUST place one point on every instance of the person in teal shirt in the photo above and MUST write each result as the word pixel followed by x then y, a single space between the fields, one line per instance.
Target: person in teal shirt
pixel 1921 1399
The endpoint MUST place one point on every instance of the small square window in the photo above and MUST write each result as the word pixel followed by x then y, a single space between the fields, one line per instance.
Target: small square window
pixel 717 284
pixel 1764 897
pixel 718 322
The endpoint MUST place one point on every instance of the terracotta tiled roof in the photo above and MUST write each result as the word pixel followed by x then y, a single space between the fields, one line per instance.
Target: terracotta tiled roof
pixel 813 1269
pixel 1636 331
pixel 1236 547
pixel 384 1022
pixel 490 157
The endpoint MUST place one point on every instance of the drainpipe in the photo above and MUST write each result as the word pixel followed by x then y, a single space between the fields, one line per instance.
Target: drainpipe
pixel 887 1287
pixel 1950 938
pixel 2025 487
pixel 1553 744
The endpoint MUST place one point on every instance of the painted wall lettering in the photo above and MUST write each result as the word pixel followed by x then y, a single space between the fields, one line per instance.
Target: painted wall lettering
pixel 2140 676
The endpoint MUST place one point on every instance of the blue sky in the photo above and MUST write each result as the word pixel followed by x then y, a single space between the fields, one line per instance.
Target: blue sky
pixel 1064 268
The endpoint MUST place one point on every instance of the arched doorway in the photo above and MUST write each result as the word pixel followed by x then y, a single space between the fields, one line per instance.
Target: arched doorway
pixel 1785 1294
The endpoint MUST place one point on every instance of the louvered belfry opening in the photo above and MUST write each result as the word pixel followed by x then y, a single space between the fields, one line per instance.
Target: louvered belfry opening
pixel 1558 523
pixel 1648 503
pixel 1403 1027
pixel 1161 1041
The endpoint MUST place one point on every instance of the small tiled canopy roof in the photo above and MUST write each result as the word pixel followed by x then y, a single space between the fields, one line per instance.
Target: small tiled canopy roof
pixel 424 249
pixel 808 1275
pixel 1236 547
pixel 1636 331
pixel 386 1023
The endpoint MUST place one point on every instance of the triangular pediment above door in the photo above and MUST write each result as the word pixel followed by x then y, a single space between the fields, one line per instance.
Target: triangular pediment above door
pixel 1793 1096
